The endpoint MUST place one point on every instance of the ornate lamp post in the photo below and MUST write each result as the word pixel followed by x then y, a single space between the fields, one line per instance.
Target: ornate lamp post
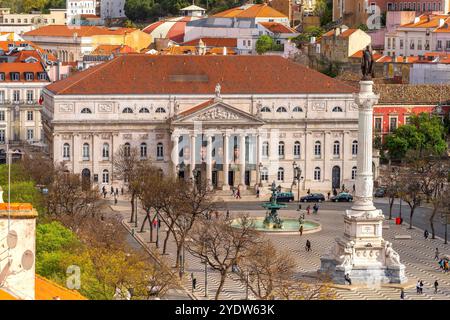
pixel 298 177
pixel 260 166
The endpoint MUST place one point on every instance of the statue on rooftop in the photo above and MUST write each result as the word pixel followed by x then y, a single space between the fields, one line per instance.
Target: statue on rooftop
pixel 367 64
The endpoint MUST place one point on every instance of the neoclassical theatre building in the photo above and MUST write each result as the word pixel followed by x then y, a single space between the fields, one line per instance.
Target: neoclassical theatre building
pixel 233 120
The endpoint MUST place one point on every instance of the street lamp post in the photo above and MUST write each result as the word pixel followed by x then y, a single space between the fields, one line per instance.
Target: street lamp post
pixel 298 177
pixel 136 212
pixel 206 278
pixel 246 288
pixel 157 229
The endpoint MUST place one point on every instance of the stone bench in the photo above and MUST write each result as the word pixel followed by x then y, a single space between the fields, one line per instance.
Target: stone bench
pixel 402 237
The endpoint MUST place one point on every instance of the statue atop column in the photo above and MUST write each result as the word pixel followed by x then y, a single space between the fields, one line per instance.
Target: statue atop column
pixel 218 90
pixel 367 64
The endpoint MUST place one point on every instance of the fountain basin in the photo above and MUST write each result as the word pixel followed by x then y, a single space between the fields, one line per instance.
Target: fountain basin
pixel 290 226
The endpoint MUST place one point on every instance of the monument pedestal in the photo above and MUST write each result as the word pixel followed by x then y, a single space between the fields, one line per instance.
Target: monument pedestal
pixel 362 253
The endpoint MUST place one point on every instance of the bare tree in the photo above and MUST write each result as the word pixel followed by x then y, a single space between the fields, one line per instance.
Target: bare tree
pixel 312 288
pixel 127 164
pixel 221 245
pixel 390 181
pixel 38 167
pixel 266 270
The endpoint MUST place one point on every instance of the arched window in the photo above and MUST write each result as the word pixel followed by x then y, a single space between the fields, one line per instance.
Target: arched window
pixel 281 149
pixel 297 150
pixel 317 149
pixel 66 151
pixel 353 173
pixel 160 110
pixel 105 151
pixel 337 109
pixel 264 174
pixel 144 110
pixel 159 151
pixel 86 151
pixel 86 110
pixel 281 109
pixel 265 149
pixel 143 150
pixel 126 149
pixel 105 176
pixel 317 173
pixel 297 109
pixel 354 147
pixel 336 149
pixel 265 109
pixel 280 174
pixel 127 110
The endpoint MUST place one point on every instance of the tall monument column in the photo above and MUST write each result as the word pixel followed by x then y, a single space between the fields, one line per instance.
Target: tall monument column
pixel 362 253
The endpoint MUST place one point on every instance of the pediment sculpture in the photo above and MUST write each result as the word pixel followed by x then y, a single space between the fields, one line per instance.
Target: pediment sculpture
pixel 217 114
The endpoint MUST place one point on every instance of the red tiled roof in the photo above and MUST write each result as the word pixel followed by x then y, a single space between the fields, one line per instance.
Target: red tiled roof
pixel 197 107
pixel 425 21
pixel 276 27
pixel 21 67
pixel 81 31
pixel 107 49
pixel 219 50
pixel 213 42
pixel 185 74
pixel 359 54
pixel 251 11
pixel 343 34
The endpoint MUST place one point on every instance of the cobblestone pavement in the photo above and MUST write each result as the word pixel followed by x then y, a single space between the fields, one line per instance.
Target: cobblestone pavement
pixel 416 253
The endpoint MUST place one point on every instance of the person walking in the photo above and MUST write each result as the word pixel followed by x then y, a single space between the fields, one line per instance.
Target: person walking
pixel 233 191
pixel 112 190
pixel 436 284
pixel 238 194
pixel 257 192
pixel 402 294
pixel 328 194
pixel 316 208
pixel 121 190
pixel 228 214
pixel 425 234
pixel 308 245
pixel 117 191
pixel 445 266
pixel 301 230
pixel 104 194
pixel 309 191
pixel 418 287
pixel 421 286
pixel 115 199
pixel 354 188
pixel 347 279
pixel 308 208
pixel 334 192
pixel 103 189
pixel 436 254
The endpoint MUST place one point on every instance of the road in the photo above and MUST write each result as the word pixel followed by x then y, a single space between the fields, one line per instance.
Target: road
pixel 420 219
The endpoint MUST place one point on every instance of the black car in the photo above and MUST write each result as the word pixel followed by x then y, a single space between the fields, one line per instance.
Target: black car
pixel 313 197
pixel 285 197
pixel 380 192
pixel 342 197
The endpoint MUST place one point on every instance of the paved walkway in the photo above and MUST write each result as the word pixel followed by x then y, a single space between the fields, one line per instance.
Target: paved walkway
pixel 416 253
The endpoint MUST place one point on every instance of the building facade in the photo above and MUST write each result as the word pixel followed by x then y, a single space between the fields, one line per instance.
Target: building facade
pixel 35 19
pixel 105 9
pixel 243 123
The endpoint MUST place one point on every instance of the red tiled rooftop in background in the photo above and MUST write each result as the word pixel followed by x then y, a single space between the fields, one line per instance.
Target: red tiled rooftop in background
pixel 253 11
pixel 151 74
pixel 21 67
pixel 276 27
pixel 344 34
pixel 81 31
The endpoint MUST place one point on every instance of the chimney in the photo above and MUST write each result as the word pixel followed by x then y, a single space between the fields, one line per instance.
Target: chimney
pixel 18 247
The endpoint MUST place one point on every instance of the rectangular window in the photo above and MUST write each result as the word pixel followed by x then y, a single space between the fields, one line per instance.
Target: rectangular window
pixel 2 115
pixel 2 96
pixel 2 76
pixel 15 76
pixel 439 45
pixel 30 95
pixel 30 134
pixel 401 43
pixel 389 43
pixel 407 120
pixel 29 76
pixel 42 76
pixel 419 44
pixel 392 124
pixel 16 95
pixel 30 115
pixel 378 124
pixel 2 135
pixel 393 43
pixel 447 44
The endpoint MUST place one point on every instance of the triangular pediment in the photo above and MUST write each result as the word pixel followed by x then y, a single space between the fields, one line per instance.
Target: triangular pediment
pixel 217 111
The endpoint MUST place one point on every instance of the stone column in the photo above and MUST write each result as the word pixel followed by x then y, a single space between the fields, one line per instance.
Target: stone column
pixel 242 159
pixel 209 159
pixel 362 253
pixel 192 147
pixel 258 157
pixel 226 138
pixel 174 155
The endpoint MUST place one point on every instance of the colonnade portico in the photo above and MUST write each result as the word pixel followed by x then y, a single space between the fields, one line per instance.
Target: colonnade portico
pixel 239 155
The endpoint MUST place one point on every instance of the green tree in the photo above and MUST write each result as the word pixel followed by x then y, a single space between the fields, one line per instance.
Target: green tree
pixel 363 27
pixel 53 236
pixel 264 44
pixel 24 192
pixel 311 31
pixel 34 5
pixel 138 10
pixel 425 134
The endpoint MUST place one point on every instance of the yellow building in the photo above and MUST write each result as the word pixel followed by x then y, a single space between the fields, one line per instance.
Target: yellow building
pixel 70 44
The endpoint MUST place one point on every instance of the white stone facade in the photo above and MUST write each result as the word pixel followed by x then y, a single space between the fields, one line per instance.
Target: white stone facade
pixel 318 132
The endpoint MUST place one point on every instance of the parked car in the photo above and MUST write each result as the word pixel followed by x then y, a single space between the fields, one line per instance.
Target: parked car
pixel 343 196
pixel 285 197
pixel 313 197
pixel 380 192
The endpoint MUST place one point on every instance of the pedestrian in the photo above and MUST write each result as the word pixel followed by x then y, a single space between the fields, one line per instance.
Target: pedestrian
pixel 421 286
pixel 436 254
pixel 445 266
pixel 316 208
pixel 103 189
pixel 347 279
pixel 104 194
pixel 425 234
pixel 117 191
pixel 441 264
pixel 233 191
pixel 308 245
pixel 402 294
pixel 343 187
pixel 238 194
pixel 257 192
pixel 112 190
pixel 436 284
pixel 115 200
pixel 418 287
pixel 301 230
pixel 309 191
pixel 308 208
pixel 354 188
pixel 121 190
pixel 155 223
pixel 329 193
pixel 228 214
pixel 334 192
